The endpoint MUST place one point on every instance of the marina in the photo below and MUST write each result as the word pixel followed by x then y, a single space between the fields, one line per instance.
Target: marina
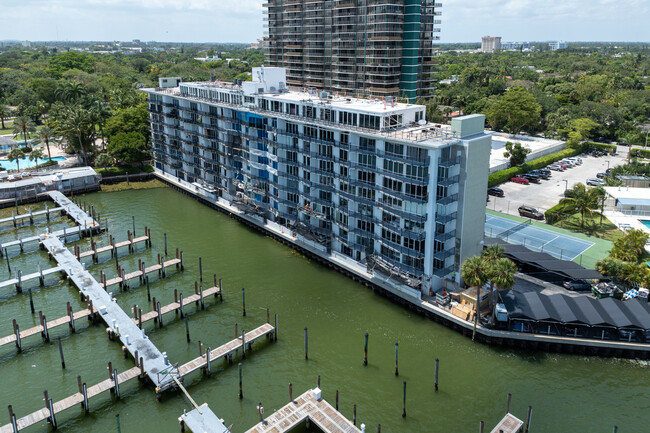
pixel 337 311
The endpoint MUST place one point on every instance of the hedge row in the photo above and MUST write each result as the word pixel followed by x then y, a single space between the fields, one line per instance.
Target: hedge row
pixel 640 153
pixel 122 170
pixel 609 148
pixel 505 175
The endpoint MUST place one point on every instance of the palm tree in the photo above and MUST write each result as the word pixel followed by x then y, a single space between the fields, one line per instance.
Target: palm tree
pixel 473 272
pixel 490 256
pixel 101 111
pixel 45 135
pixel 16 155
pixel 70 91
pixel 502 274
pixel 23 125
pixel 4 113
pixel 35 155
pixel 585 201
pixel 631 246
pixel 76 124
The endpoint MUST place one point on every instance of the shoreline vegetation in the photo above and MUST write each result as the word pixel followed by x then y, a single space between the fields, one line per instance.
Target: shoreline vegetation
pixel 124 186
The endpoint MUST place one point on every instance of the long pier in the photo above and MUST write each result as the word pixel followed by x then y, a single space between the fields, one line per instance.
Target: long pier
pixel 204 361
pixel 82 398
pixel 310 407
pixel 156 364
pixel 123 278
pixel 19 279
pixel 71 317
pixel 30 215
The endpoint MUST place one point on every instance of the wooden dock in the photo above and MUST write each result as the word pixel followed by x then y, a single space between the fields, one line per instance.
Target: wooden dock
pixel 31 215
pixel 72 210
pixel 113 247
pixel 19 278
pixel 222 351
pixel 124 278
pixel 51 408
pixel 309 407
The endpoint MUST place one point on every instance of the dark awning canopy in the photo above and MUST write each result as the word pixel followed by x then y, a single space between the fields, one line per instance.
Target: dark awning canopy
pixel 545 262
pixel 579 310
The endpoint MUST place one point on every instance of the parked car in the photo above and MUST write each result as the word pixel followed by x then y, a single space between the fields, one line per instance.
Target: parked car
pixel 569 164
pixel 593 181
pixel 531 178
pixel 544 173
pixel 556 167
pixel 519 179
pixel 497 192
pixel 564 165
pixel 575 159
pixel 530 212
pixel 602 175
pixel 577 285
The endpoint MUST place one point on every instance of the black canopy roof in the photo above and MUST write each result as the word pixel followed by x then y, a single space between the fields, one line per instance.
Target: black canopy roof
pixel 545 262
pixel 582 309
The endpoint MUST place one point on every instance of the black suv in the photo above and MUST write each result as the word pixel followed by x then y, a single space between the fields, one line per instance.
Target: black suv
pixel 497 192
pixel 530 212
pixel 542 172
pixel 531 177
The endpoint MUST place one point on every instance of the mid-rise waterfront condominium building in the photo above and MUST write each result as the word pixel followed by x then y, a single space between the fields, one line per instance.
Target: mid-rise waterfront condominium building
pixel 366 181
pixel 376 47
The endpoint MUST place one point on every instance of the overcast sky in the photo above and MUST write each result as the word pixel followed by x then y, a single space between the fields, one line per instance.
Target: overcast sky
pixel 241 20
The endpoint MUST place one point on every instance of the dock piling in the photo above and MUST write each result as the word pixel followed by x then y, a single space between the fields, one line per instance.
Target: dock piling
pixel 200 269
pixel 528 418
pixel 404 402
pixel 508 404
pixel 146 278
pixel 243 299
pixel 117 384
pixel 290 392
pixel 396 368
pixel 243 344
pixel 337 399
pixel 306 346
pixel 318 381
pixel 481 427
pixel 17 333
pixel 133 220
pixel 275 329
pixel 117 419
pixel 8 264
pixel 436 379
pixel 165 236
pixel 365 350
pixel 220 291
pixel 85 395
pixel 354 414
pixel 31 300
pixel 241 394
pixel 61 353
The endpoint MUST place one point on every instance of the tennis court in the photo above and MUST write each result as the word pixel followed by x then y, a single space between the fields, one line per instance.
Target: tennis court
pixel 535 238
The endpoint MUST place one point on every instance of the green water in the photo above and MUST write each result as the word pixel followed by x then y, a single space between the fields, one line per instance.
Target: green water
pixel 568 393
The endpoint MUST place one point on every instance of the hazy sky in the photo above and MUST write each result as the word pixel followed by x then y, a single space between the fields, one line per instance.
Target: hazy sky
pixel 241 20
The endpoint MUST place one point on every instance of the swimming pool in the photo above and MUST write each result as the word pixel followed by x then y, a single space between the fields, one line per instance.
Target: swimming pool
pixel 25 163
pixel 645 223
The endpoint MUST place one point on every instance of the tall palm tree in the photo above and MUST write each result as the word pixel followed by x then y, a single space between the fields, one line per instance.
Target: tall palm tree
pixel 76 124
pixel 16 155
pixel 473 272
pixel 23 125
pixel 503 276
pixel 45 135
pixel 631 246
pixel 585 201
pixel 490 256
pixel 4 113
pixel 100 111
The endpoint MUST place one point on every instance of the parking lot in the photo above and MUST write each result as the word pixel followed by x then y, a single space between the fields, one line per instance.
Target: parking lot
pixel 548 193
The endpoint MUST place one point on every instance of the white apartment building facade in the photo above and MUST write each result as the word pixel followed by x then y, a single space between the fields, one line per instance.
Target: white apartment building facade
pixel 366 179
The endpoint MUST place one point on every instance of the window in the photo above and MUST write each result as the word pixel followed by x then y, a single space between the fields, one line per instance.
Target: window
pixel 292 157
pixel 419 173
pixel 309 112
pixel 347 118
pixel 414 245
pixel 343 155
pixel 344 171
pixel 292 128
pixel 326 114
pixel 326 135
pixel 418 227
pixel 366 177
pixel 366 226
pixel 311 132
pixel 345 187
pixel 343 203
pixel 327 166
pixel 367 193
pixel 292 197
pixel 392 201
pixel 416 153
pixel 365 209
pixel 394 149
pixel 413 262
pixel 416 191
pixel 292 170
pixel 393 166
pixel 390 253
pixel 325 150
pixel 368 121
pixel 390 218
pixel 367 160
pixel 392 184
pixel 367 144
pixel 345 138
pixel 391 236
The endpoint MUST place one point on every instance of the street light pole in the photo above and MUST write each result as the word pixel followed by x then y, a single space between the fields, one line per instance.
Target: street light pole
pixel 566 185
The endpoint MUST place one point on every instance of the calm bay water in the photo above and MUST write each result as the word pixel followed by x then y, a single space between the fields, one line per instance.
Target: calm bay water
pixel 568 393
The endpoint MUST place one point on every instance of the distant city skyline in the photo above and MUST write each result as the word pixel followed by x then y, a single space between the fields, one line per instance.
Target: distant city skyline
pixel 241 21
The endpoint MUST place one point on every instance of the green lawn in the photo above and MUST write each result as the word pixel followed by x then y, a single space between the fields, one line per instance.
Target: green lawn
pixel 592 227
